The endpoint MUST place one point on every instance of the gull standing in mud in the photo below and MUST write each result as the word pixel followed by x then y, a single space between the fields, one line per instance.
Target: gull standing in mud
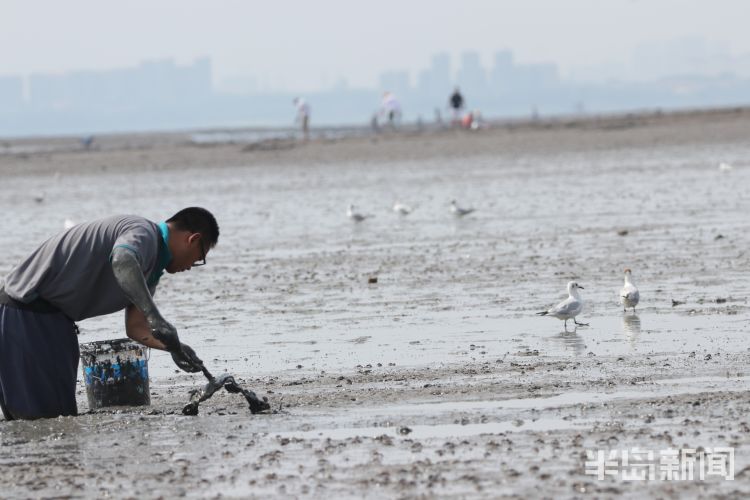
pixel 568 308
pixel 402 209
pixel 629 295
pixel 460 212
pixel 725 167
pixel 354 216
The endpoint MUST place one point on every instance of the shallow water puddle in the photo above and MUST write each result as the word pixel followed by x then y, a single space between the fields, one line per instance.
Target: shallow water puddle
pixel 646 390
pixel 508 409
pixel 441 431
pixel 454 337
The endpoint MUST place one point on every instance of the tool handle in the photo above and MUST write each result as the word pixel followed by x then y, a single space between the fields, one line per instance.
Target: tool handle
pixel 206 372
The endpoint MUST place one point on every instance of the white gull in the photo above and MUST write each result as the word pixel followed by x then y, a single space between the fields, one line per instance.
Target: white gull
pixel 629 295
pixel 460 212
pixel 568 308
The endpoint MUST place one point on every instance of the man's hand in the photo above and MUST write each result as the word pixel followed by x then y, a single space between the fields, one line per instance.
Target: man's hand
pixel 187 360
pixel 195 362
pixel 165 333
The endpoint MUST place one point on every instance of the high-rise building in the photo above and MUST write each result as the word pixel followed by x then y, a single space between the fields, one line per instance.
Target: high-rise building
pixel 471 76
pixel 435 82
pixel 501 74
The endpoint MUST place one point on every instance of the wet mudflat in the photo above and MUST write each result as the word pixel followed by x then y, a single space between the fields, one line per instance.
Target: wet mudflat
pixel 516 428
pixel 438 379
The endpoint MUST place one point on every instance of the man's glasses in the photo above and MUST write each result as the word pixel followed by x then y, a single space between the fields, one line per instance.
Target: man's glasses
pixel 203 250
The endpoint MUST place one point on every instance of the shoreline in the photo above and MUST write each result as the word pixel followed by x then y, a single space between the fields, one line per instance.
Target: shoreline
pixel 144 152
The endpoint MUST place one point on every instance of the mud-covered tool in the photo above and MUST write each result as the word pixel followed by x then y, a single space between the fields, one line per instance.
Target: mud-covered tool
pixel 228 382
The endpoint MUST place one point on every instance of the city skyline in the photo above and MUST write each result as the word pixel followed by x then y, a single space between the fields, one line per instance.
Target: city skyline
pixel 165 95
pixel 465 67
pixel 689 56
pixel 297 46
pixel 439 73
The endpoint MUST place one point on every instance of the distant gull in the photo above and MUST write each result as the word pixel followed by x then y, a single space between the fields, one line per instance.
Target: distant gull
pixel 629 295
pixel 460 212
pixel 356 217
pixel 402 209
pixel 725 167
pixel 568 308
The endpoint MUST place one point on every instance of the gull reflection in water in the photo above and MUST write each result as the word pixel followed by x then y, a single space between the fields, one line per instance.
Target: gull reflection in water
pixel 631 327
pixel 570 341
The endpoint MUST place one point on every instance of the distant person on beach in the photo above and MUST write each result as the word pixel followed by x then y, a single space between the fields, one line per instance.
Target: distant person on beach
pixel 456 103
pixel 91 269
pixel 390 108
pixel 87 142
pixel 303 116
pixel 374 125
pixel 472 120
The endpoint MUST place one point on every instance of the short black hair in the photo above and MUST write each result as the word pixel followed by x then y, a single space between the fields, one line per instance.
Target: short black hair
pixel 197 220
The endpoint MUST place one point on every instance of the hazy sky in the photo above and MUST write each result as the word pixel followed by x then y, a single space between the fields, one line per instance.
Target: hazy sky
pixel 308 44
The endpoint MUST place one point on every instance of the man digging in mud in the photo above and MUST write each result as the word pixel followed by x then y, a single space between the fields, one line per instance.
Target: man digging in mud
pixel 91 269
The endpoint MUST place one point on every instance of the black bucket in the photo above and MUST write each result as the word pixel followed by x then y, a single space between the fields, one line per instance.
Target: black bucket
pixel 116 373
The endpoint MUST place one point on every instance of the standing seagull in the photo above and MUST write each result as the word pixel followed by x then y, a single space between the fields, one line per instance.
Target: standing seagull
pixel 458 211
pixel 629 295
pixel 568 308
pixel 401 209
pixel 354 216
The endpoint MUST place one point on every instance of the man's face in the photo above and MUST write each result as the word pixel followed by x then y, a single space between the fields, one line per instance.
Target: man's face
pixel 188 251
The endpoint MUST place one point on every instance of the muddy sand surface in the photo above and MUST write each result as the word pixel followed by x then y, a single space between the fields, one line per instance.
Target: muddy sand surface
pixel 402 356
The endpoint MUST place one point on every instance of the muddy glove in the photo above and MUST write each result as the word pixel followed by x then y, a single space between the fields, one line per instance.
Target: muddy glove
pixel 187 360
pixel 164 332
pixel 130 278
